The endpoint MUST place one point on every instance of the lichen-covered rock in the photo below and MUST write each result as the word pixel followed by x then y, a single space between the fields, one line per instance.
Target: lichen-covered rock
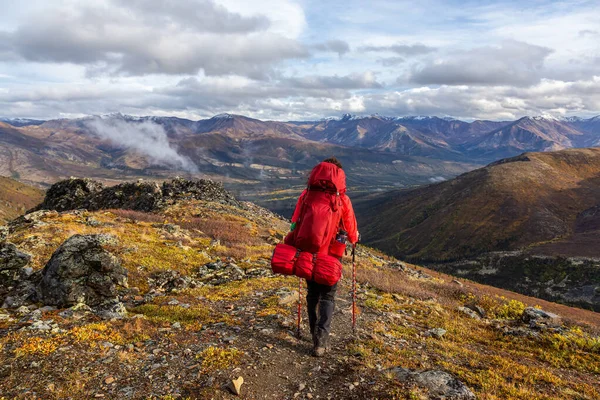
pixel 140 196
pixel 469 313
pixel 537 318
pixel 440 385
pixel 70 194
pixel 3 233
pixel 218 273
pixel 11 263
pixel 83 271
pixel 169 281
pixel 201 189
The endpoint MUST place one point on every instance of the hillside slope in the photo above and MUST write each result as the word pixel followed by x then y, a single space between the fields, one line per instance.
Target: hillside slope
pixel 15 198
pixel 203 308
pixel 543 204
pixel 522 201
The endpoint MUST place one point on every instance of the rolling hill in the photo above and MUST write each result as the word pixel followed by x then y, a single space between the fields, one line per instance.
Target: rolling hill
pixel 536 204
pixel 16 198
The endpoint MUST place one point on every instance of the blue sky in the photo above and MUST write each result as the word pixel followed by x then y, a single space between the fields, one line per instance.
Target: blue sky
pixel 305 59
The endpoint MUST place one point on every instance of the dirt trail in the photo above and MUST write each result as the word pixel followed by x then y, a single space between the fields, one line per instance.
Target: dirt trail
pixel 277 365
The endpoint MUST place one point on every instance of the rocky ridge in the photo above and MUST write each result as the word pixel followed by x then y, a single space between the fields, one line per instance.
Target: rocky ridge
pixel 85 193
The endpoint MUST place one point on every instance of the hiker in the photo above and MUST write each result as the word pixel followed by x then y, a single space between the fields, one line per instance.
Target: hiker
pixel 321 224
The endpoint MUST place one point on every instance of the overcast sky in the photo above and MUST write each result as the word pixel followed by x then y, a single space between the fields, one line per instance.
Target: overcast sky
pixel 304 59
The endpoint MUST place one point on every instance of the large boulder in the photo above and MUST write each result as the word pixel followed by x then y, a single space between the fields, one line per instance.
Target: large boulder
pixel 439 385
pixel 12 261
pixel 539 319
pixel 70 194
pixel 83 271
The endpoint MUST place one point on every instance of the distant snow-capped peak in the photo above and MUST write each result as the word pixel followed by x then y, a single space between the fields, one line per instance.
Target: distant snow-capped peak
pixel 223 116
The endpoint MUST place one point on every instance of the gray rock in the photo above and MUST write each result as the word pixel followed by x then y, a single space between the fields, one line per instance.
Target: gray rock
pixel 111 310
pixel 478 309
pixel 170 281
pixel 12 261
pixel 437 333
pixel 288 298
pixel 440 385
pixel 82 271
pixel 3 233
pixel 537 318
pixel 41 326
pixel 218 273
pixel 469 313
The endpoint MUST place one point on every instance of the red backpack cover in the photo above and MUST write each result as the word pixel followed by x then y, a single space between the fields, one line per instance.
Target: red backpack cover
pixel 306 251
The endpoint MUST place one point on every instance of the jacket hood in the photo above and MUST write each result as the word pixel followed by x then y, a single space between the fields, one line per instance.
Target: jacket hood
pixel 327 175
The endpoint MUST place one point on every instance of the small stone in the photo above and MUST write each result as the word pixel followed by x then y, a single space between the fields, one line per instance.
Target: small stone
pixel 437 333
pixel 176 325
pixel 288 298
pixel 109 380
pixel 22 311
pixel 468 312
pixel 301 387
pixel 235 385
pixel 40 326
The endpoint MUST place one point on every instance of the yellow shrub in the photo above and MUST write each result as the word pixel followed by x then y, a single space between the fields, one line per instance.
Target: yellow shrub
pixel 216 358
pixel 37 345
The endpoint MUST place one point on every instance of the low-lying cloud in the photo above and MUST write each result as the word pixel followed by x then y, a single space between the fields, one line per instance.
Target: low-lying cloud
pixel 146 138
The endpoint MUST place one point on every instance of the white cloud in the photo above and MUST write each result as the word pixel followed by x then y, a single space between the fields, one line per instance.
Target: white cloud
pixel 297 59
pixel 511 63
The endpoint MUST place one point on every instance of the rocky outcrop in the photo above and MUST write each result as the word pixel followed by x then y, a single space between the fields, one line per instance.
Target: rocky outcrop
pixel 17 281
pixel 82 271
pixel 11 263
pixel 145 196
pixel 438 384
pixel 70 194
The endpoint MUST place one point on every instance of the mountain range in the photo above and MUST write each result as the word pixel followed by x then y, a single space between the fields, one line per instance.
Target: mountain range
pixel 379 152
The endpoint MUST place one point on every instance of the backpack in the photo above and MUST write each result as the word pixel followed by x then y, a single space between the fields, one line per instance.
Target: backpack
pixel 311 251
pixel 321 210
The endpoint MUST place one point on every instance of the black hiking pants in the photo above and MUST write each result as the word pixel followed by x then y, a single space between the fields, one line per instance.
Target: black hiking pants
pixel 320 301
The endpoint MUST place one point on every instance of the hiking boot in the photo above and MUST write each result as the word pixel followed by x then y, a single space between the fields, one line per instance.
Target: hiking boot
pixel 320 344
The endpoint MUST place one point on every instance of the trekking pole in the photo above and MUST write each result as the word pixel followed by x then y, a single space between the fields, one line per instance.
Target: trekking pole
pixel 298 335
pixel 354 290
